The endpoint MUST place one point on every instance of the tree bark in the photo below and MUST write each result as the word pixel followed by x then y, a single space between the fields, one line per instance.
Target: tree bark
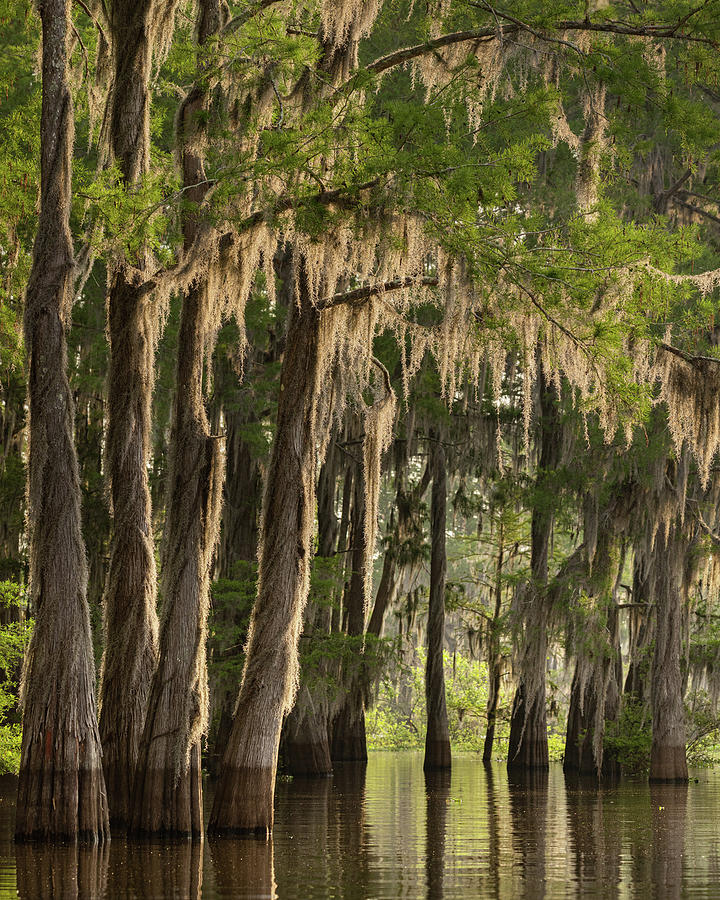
pixel 167 797
pixel 245 790
pixel 437 737
pixel 130 616
pixel 667 757
pixel 168 785
pixel 61 791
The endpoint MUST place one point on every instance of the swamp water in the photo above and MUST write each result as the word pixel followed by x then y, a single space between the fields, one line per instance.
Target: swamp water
pixel 382 832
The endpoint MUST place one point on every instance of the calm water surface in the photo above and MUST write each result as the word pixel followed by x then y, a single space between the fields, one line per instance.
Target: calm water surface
pixel 384 832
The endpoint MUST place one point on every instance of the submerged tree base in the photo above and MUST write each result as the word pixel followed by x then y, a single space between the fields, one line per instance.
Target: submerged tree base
pixel 669 765
pixel 244 802
pixel 66 804
pixel 118 784
pixel 349 742
pixel 168 803
pixel 528 747
pixel 308 758
pixel 437 755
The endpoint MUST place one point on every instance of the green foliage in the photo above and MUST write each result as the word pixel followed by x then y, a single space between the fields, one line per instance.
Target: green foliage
pixel 232 602
pixel 14 638
pixel 397 719
pixel 629 739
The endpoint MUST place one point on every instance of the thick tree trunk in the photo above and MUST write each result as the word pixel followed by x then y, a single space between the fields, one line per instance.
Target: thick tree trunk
pixel 528 747
pixel 167 797
pixel 667 759
pixel 349 742
pixel 61 792
pixel 130 616
pixel 239 534
pixel 437 737
pixel 245 790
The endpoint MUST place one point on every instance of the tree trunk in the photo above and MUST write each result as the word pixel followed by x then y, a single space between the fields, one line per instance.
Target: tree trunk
pixel 437 737
pixel 349 742
pixel 242 496
pixel 528 747
pixel 667 758
pixel 245 790
pixel 130 615
pixel 494 657
pixel 168 793
pixel 167 797
pixel 61 792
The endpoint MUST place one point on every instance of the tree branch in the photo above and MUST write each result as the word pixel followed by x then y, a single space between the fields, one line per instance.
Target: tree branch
pixel 665 31
pixel 360 294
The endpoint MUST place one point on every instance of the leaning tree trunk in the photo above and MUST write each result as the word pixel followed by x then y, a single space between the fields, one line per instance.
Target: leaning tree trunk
pixel 130 615
pixel 348 729
pixel 437 737
pixel 246 786
pixel 167 797
pixel 61 793
pixel 528 747
pixel 668 761
pixel 242 499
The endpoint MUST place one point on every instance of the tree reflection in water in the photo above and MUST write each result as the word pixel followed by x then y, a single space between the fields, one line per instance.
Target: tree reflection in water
pixel 528 795
pixel 669 806
pixel 437 796
pixel 494 829
pixel 70 872
pixel 244 867
pixel 595 840
pixel 347 817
